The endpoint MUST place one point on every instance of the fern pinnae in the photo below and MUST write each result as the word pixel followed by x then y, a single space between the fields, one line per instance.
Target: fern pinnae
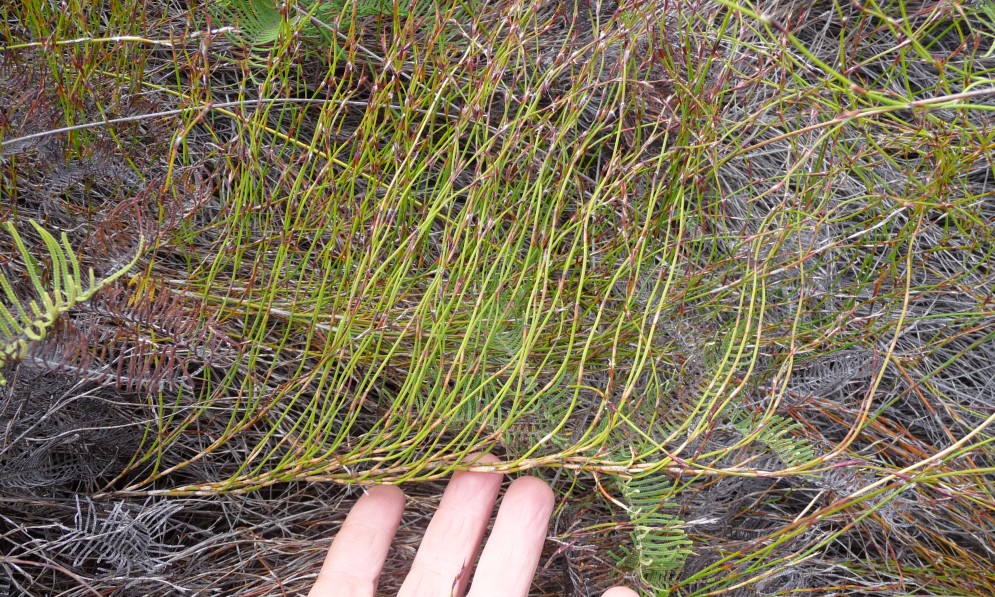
pixel 37 316
pixel 259 22
pixel 775 432
pixel 660 545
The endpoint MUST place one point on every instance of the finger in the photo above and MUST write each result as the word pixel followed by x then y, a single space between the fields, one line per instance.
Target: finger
pixel 452 540
pixel 352 566
pixel 511 555
pixel 620 592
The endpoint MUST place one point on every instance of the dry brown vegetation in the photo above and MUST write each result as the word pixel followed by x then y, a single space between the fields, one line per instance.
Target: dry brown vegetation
pixel 720 272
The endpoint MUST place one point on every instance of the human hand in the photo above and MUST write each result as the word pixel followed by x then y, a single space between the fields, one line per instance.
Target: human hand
pixel 451 544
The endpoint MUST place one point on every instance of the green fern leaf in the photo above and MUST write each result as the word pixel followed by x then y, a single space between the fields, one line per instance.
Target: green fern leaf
pixel 22 323
pixel 775 432
pixel 660 545
pixel 259 22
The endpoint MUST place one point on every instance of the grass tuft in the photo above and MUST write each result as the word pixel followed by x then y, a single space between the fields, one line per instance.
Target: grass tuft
pixel 718 271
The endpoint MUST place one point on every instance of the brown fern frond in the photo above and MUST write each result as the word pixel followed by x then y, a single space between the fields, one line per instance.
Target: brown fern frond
pixel 154 337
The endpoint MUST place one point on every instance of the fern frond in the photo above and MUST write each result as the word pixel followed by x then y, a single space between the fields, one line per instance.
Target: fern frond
pixel 121 536
pixel 775 432
pixel 659 542
pixel 22 323
pixel 259 21
pixel 151 338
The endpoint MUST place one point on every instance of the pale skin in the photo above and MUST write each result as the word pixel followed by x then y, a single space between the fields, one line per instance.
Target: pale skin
pixel 451 544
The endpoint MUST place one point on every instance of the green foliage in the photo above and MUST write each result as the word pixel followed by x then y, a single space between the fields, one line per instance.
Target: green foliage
pixel 583 236
pixel 983 23
pixel 26 321
pixel 660 545
pixel 776 432
pixel 258 21
pixel 261 22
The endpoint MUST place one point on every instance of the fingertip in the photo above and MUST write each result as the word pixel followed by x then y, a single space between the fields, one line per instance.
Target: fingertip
pixel 512 552
pixel 477 458
pixel 453 537
pixel 533 490
pixel 620 592
pixel 530 500
pixel 390 494
pixel 379 503
pixel 354 560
